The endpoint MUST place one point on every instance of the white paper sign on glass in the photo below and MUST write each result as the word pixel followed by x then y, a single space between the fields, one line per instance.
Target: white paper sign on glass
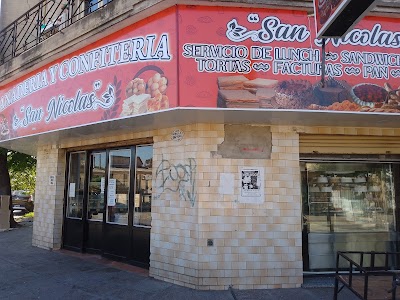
pixel 251 183
pixel 102 185
pixel 112 186
pixel 72 189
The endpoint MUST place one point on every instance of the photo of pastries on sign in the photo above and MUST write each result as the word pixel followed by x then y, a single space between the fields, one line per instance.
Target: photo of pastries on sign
pixel 367 97
pixel 326 8
pixel 238 91
pixel 146 95
pixel 4 129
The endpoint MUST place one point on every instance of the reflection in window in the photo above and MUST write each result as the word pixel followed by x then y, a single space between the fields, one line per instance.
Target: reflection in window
pixel 76 180
pixel 97 175
pixel 118 186
pixel 348 197
pixel 144 164
pixel 93 5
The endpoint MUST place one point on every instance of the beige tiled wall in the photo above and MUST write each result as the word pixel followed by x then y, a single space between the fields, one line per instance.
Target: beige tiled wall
pixel 254 245
pixel 47 227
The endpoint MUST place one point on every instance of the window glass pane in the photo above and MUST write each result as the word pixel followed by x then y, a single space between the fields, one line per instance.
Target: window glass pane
pixel 93 5
pixel 118 186
pixel 144 164
pixel 349 197
pixel 97 175
pixel 76 181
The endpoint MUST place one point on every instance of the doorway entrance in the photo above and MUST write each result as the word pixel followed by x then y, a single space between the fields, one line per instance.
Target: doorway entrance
pixel 108 203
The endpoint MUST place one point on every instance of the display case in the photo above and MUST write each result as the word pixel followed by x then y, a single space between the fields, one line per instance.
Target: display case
pixel 347 206
pixel 341 200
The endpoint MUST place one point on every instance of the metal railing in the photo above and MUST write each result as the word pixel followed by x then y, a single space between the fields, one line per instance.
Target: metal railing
pixel 45 19
pixel 362 267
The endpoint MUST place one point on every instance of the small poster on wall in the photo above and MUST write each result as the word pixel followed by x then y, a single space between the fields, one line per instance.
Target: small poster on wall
pixel 251 185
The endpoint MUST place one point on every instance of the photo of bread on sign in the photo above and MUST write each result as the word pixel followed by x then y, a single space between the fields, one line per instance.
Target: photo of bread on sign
pixel 238 91
pixel 146 92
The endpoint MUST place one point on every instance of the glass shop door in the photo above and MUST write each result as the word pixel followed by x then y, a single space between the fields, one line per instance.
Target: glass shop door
pixel 118 213
pixel 96 201
pixel 108 203
pixel 74 206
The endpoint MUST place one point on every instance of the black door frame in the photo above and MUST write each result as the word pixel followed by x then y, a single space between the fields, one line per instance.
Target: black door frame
pixel 72 222
pixel 134 234
pixel 88 222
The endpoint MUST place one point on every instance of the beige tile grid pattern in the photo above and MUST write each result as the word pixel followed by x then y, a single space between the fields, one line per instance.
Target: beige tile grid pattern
pixel 255 245
pixel 47 227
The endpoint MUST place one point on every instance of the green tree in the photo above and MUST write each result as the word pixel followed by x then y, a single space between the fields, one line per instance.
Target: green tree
pixel 22 170
pixel 23 180
pixel 22 166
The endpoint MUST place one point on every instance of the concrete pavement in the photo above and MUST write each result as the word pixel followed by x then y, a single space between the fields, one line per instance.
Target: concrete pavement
pixel 28 272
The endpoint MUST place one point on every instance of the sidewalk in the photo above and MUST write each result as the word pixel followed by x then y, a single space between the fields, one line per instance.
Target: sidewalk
pixel 28 272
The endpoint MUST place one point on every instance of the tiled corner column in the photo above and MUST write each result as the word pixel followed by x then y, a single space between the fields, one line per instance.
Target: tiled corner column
pixel 47 227
pixel 254 245
pixel 177 171
pixel 284 191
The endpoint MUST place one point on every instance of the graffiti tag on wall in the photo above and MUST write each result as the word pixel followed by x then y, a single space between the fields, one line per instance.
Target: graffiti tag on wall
pixel 178 178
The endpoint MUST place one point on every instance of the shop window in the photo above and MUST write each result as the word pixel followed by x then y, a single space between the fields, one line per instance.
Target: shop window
pixel 142 202
pixel 76 183
pixel 349 197
pixel 347 206
pixel 118 186
pixel 93 5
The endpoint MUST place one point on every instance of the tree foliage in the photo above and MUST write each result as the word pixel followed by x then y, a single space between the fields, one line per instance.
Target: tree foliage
pixel 22 169
pixel 24 180
pixel 19 162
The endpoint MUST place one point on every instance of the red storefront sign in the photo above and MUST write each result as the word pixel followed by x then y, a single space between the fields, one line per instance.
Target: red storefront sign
pixel 131 72
pixel 239 58
pixel 226 57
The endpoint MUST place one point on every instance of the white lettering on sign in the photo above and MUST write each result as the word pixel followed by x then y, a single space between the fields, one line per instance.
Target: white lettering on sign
pixel 219 58
pixel 30 116
pixel 376 37
pixel 23 89
pixel 59 106
pixel 272 29
pixel 138 49
pixel 293 60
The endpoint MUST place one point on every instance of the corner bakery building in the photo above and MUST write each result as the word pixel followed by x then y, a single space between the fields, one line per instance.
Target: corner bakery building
pixel 200 143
